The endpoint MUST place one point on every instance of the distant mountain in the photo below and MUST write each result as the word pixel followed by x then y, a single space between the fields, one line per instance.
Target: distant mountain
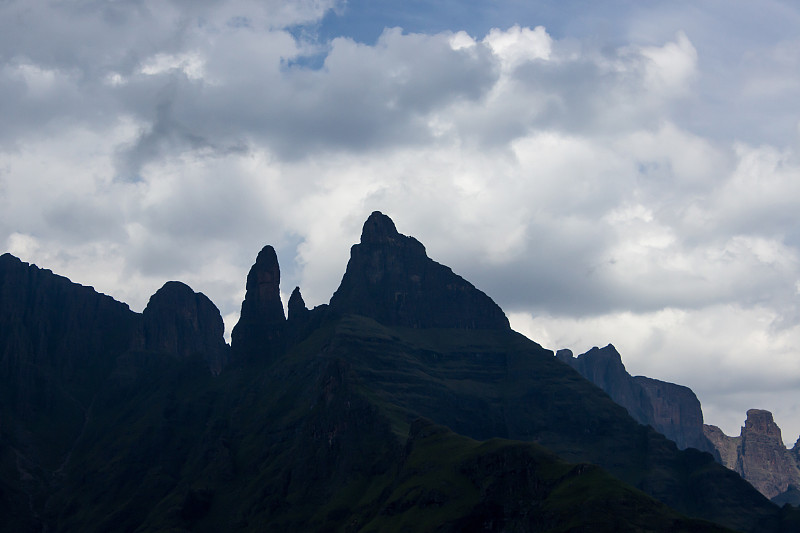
pixel 407 403
pixel 759 456
pixel 672 410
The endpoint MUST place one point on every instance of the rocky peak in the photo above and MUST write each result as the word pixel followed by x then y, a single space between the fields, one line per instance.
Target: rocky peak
pixel 763 459
pixel 259 332
pixel 297 307
pixel 390 278
pixel 183 323
pixel 758 454
pixel 673 410
pixel 604 368
pixel 263 285
pixel 676 413
pixel 380 229
pixel 760 422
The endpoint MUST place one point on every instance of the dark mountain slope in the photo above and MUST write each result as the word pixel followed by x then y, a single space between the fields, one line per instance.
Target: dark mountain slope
pixel 499 384
pixel 303 444
pixel 60 343
pixel 334 421
pixel 672 410
pixel 390 278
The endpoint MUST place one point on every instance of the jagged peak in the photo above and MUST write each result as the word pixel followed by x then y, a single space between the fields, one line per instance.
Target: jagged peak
pixel 170 288
pixel 259 331
pixel 761 421
pixel 608 352
pixel 297 306
pixel 390 278
pixel 379 228
pixel 267 257
pixel 10 258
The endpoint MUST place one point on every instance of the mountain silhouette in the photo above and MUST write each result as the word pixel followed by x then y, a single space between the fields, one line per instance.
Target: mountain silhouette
pixel 407 403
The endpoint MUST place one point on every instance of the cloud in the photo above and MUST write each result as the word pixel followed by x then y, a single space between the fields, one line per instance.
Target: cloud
pixel 639 190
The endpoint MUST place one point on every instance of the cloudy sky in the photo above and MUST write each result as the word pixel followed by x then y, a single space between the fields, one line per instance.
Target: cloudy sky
pixel 609 172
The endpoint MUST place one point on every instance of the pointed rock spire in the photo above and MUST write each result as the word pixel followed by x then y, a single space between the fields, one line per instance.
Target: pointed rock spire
pixel 183 323
pixel 763 458
pixel 259 332
pixel 298 312
pixel 390 278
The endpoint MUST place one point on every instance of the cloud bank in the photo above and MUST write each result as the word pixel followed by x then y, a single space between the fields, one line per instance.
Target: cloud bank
pixel 641 191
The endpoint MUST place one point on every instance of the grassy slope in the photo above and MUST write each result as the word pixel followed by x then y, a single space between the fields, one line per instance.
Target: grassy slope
pixel 492 383
pixel 314 442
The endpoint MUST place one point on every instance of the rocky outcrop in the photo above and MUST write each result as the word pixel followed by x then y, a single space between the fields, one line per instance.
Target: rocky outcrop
pixel 727 447
pixel 758 454
pixel 672 410
pixel 56 338
pixel 59 342
pixel 298 312
pixel 183 323
pixel 676 413
pixel 259 334
pixel 390 278
pixel 604 368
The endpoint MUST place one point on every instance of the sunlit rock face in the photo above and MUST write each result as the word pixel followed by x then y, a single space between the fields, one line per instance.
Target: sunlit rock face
pixel 763 459
pixel 390 278
pixel 759 455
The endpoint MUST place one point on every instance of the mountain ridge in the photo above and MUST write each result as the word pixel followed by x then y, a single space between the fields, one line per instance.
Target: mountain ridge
pixel 313 424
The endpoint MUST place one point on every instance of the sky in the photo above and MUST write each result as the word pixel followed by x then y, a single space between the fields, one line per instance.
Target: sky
pixel 619 172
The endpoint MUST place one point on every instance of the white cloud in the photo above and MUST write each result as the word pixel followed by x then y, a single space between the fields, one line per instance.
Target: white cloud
pixel 670 67
pixel 517 45
pixel 192 65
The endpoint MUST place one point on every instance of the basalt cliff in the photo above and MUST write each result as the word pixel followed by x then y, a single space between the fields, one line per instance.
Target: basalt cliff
pixel 673 410
pixel 759 455
pixel 406 403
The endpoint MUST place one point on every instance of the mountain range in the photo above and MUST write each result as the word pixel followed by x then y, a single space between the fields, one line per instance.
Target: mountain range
pixel 758 454
pixel 406 403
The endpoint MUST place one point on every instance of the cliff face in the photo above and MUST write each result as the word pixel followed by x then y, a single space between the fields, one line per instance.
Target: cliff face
pixel 58 343
pixel 676 413
pixel 55 332
pixel 672 410
pixel 728 447
pixel 260 332
pixel 180 322
pixel 390 278
pixel 759 455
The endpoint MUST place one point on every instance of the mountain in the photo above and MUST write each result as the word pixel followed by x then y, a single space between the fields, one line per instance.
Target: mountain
pixel 184 323
pixel 390 409
pixel 390 278
pixel 672 410
pixel 759 455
